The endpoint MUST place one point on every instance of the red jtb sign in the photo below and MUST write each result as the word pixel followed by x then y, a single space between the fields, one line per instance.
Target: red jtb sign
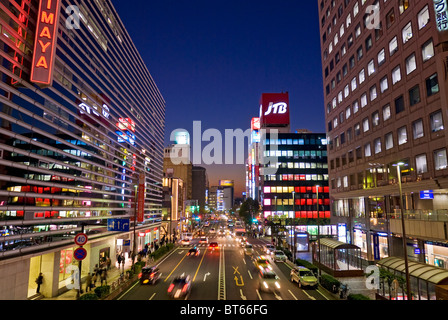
pixel 45 42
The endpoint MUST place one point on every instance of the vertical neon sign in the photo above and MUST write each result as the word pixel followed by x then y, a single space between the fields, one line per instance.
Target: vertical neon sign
pixel 45 42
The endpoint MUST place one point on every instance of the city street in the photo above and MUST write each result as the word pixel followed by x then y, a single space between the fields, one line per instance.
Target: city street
pixel 229 262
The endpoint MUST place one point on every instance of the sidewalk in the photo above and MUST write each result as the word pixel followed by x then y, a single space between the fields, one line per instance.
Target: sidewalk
pixel 112 275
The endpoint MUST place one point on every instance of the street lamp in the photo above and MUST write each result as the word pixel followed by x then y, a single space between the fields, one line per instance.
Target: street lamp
pixel 408 283
pixel 318 227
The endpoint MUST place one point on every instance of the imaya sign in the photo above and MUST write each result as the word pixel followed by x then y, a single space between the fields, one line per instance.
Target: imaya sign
pixel 45 42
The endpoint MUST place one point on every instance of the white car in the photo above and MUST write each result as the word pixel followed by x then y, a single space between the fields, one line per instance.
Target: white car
pixel 279 255
pixel 269 249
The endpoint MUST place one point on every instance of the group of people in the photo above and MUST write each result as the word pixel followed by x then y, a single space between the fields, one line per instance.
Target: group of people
pixel 98 274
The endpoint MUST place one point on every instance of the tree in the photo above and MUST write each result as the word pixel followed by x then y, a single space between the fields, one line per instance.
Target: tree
pixel 249 210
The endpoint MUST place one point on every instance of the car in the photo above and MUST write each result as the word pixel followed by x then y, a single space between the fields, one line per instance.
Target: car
pixel 261 263
pixel 149 275
pixel 193 252
pixel 268 281
pixel 279 255
pixel 213 246
pixel 185 242
pixel 212 230
pixel 304 277
pixel 269 249
pixel 203 240
pixel 248 249
pixel 180 287
pixel 221 233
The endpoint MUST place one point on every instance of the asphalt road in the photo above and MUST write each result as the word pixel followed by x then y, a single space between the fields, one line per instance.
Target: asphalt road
pixel 223 274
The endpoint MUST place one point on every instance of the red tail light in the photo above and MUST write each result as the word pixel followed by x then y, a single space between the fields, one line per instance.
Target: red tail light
pixel 152 275
pixel 139 275
pixel 185 287
pixel 170 288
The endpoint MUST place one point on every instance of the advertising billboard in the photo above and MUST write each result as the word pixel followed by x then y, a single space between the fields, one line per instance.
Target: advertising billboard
pixel 274 109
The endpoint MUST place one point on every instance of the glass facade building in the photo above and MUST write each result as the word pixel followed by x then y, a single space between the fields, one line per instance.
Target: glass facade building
pixel 73 151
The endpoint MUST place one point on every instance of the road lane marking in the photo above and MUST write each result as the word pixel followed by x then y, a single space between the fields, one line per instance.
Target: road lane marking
pixel 258 293
pixel 128 290
pixel 250 275
pixel 293 294
pixel 222 277
pixel 322 294
pixel 203 255
pixel 239 284
pixel 152 296
pixel 242 295
pixel 175 268
pixel 311 297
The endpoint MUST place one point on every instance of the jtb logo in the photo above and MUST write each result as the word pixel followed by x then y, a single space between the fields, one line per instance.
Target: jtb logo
pixel 276 108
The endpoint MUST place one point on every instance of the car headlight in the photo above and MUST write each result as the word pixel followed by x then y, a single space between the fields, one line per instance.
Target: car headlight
pixel 277 285
pixel 265 284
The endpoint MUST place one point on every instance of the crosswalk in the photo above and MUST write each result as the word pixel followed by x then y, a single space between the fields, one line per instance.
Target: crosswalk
pixel 228 245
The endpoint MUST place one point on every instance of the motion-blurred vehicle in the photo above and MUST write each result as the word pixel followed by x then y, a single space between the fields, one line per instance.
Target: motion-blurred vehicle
pixel 248 249
pixel 261 263
pixel 268 281
pixel 203 240
pixel 193 252
pixel 279 255
pixel 180 288
pixel 213 246
pixel 149 275
pixel 269 249
pixel 304 277
pixel 185 242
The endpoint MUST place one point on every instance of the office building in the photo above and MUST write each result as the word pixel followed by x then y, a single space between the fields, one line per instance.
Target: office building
pixel 81 140
pixel 386 107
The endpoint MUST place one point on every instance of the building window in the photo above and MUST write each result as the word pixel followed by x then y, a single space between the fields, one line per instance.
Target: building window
pixel 357 129
pixel 390 18
pixel 402 135
pixel 353 84
pixel 355 106
pixel 367 151
pixel 362 76
pixel 417 129
pixel 369 43
pixel 414 95
pixel 393 46
pixel 383 84
pixel 432 85
pixel 363 100
pixel 389 141
pixel 407 32
pixel 365 125
pixel 396 74
pixel 373 93
pixel 386 112
pixel 411 63
pixel 381 57
pixel 403 5
pixel 436 121
pixel 375 118
pixel 377 145
pixel 358 30
pixel 399 104
pixel 359 53
pixel 420 163
pixel 371 67
pixel 423 17
pixel 348 112
pixel 440 160
pixel 427 50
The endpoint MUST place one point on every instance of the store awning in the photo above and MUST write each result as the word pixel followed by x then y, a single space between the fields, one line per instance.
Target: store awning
pixel 416 269
pixel 335 244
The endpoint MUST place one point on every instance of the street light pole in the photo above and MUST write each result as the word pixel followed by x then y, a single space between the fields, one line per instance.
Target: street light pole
pixel 408 283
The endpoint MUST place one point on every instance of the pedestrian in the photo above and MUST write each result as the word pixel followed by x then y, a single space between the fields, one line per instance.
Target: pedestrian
pixel 39 281
pixel 93 282
pixel 108 262
pixel 88 282
pixel 104 276
pixel 119 260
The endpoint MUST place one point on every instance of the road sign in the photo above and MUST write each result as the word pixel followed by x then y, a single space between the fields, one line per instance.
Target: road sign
pixel 117 224
pixel 80 254
pixel 81 239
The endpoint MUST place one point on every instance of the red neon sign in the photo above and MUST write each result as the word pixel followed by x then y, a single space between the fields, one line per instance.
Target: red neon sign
pixel 45 42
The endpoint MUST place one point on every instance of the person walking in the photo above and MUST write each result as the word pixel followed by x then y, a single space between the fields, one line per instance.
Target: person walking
pixel 88 282
pixel 96 274
pixel 39 281
pixel 108 263
pixel 104 276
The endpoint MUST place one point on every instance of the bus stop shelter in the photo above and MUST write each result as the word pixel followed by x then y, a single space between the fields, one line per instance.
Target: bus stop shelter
pixel 337 258
pixel 428 282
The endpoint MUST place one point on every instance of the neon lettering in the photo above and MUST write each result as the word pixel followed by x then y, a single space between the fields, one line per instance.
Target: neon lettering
pixel 277 108
pixel 42 63
pixel 45 33
pixel 47 18
pixel 44 46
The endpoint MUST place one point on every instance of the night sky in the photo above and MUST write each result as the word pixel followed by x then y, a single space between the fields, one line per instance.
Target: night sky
pixel 213 59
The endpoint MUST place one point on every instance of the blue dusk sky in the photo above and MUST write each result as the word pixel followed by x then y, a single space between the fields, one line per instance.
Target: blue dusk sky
pixel 212 60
